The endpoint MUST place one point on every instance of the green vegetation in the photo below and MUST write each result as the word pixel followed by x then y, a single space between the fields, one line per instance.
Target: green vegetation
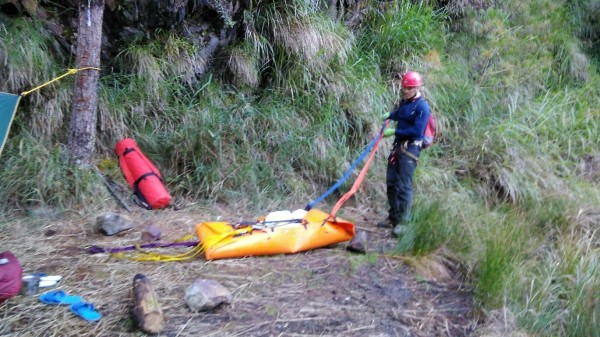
pixel 510 187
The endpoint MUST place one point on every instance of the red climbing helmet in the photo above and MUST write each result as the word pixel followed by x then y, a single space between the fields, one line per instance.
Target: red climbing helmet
pixel 412 79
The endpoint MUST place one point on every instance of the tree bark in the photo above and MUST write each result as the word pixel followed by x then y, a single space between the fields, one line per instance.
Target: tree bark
pixel 146 310
pixel 82 129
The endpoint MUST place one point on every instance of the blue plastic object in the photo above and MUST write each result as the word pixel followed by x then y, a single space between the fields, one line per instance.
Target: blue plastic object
pixel 86 311
pixel 56 297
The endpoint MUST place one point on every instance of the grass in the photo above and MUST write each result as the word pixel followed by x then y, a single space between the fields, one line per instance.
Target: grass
pixel 583 16
pixel 34 176
pixel 429 228
pixel 400 31
pixel 554 288
pixel 32 58
pixel 28 49
pixel 293 293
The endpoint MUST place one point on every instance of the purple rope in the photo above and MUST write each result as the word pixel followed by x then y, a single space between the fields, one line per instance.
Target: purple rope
pixel 98 249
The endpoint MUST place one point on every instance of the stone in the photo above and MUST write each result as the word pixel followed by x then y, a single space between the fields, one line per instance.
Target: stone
pixel 113 223
pixel 151 233
pixel 399 231
pixel 358 244
pixel 204 295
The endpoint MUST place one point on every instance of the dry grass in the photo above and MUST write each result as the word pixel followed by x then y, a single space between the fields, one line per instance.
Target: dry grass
pixel 500 323
pixel 325 292
pixel 243 66
pixel 317 41
pixel 587 221
pixel 441 266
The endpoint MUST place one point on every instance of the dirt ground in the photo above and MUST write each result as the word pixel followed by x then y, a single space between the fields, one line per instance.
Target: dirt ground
pixel 323 292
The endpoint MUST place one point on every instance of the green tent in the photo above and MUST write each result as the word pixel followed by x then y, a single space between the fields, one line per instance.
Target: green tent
pixel 8 107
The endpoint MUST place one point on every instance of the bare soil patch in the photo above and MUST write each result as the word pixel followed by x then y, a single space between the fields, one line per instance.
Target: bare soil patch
pixel 324 292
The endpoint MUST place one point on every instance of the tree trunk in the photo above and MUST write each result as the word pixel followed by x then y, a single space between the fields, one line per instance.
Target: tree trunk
pixel 146 309
pixel 82 130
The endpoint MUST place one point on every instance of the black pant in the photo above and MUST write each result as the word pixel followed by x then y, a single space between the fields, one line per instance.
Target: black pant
pixel 399 180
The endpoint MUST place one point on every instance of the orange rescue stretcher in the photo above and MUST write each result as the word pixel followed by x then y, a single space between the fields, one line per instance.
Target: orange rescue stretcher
pixel 221 240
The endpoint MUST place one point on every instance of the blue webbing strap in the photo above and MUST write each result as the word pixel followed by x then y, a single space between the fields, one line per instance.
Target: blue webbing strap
pixel 335 186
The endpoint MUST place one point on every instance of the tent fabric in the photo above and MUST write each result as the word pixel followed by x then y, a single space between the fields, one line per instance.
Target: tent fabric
pixel 8 108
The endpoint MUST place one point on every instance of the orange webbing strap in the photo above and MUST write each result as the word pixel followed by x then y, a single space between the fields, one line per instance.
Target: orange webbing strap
pixel 360 178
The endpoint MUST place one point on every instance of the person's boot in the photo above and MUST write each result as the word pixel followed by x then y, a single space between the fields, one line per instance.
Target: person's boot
pixel 399 230
pixel 385 224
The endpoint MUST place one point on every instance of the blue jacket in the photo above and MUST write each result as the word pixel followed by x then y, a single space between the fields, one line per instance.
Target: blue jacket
pixel 411 117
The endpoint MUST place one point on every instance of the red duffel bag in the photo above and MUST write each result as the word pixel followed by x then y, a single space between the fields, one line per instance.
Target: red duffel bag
pixel 11 275
pixel 143 177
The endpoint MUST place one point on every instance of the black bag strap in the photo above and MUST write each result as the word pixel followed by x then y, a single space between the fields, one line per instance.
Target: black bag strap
pixel 138 192
pixel 127 150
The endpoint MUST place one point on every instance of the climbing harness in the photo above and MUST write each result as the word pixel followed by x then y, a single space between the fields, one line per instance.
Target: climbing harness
pixel 403 147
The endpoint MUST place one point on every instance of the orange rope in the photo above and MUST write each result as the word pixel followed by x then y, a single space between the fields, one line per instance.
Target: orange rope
pixel 360 178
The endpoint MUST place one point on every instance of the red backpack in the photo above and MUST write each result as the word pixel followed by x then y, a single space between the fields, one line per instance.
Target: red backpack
pixel 429 131
pixel 141 174
pixel 11 275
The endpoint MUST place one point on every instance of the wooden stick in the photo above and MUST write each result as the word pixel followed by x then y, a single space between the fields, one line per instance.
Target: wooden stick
pixel 112 190
pixel 146 311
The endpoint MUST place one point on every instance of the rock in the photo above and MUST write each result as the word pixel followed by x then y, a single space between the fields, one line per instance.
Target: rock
pixel 112 223
pixel 358 243
pixel 151 233
pixel 399 231
pixel 204 295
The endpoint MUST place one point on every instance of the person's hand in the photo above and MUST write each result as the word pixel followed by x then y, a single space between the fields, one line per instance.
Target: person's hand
pixel 389 132
pixel 385 116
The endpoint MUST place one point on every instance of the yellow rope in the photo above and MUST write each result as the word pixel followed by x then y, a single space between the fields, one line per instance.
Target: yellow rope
pixel 213 240
pixel 147 256
pixel 70 72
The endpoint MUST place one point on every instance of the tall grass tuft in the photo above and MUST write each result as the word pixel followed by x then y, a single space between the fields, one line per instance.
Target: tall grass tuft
pixel 428 229
pixel 244 65
pixel 158 64
pixel 551 291
pixel 584 17
pixel 506 242
pixel 33 175
pixel 30 58
pixel 400 31
pixel 308 51
pixel 28 55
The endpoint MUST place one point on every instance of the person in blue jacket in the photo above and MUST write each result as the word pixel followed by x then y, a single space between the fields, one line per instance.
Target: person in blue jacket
pixel 411 118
